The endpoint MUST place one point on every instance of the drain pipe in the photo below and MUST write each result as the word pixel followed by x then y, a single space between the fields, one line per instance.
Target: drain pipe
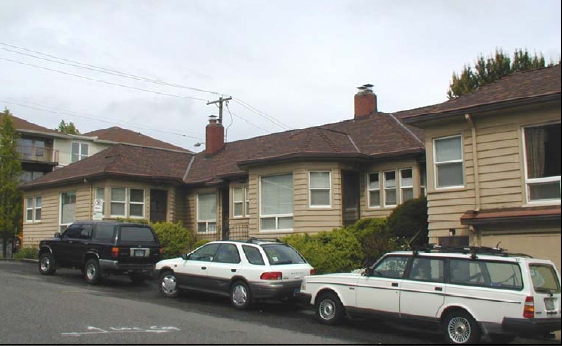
pixel 474 163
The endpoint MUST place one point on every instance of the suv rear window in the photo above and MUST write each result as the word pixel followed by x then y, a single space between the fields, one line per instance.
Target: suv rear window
pixel 282 254
pixel 544 278
pixel 135 233
pixel 104 232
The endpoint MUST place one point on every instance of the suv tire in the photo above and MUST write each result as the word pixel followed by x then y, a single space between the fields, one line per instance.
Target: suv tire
pixel 460 329
pixel 329 309
pixel 47 264
pixel 240 295
pixel 92 272
pixel 168 284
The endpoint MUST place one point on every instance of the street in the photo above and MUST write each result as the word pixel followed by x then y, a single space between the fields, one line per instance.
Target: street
pixel 64 309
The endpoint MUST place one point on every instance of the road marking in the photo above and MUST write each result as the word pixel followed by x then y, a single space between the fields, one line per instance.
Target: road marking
pixel 96 330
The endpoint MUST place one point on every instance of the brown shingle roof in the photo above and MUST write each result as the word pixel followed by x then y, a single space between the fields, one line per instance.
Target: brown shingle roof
pixel 119 135
pixel 121 160
pixel 526 86
pixel 24 125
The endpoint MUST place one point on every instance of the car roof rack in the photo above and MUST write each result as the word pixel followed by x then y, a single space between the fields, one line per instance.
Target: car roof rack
pixel 472 250
pixel 258 240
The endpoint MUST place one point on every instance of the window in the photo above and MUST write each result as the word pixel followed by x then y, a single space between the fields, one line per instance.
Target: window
pixel 68 209
pixel 136 234
pixel 205 253
pixel 28 176
pixel 253 255
pixel 423 181
pixel 448 162
pixel 279 254
pixel 320 189
pixel 240 202
pixel 33 209
pixel 206 213
pixel 542 163
pixel 374 190
pixel 406 185
pixel 79 151
pixel 390 188
pixel 104 232
pixel 127 202
pixel 427 269
pixel 276 202
pixel 228 253
pixel 100 196
pixel 391 267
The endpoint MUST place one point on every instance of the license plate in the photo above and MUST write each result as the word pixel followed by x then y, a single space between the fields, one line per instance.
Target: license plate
pixel 549 303
pixel 139 253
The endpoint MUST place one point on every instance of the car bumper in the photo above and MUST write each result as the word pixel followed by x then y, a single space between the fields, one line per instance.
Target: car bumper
pixel 527 326
pixel 274 290
pixel 303 298
pixel 108 265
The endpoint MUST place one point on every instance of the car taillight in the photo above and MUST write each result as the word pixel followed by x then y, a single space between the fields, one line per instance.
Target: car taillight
pixel 114 252
pixel 271 276
pixel 529 309
pixel 312 271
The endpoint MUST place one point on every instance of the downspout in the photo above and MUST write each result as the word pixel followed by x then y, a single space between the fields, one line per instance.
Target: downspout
pixel 476 178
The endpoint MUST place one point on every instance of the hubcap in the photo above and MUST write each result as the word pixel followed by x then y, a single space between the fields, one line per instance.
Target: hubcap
pixel 239 295
pixel 459 330
pixel 327 309
pixel 45 264
pixel 168 284
pixel 91 272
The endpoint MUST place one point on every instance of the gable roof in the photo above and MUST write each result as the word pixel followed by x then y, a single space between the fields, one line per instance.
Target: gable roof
pixel 119 135
pixel 364 138
pixel 516 89
pixel 121 160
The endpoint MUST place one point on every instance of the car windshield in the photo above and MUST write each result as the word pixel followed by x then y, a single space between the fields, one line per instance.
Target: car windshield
pixel 136 234
pixel 282 254
pixel 544 278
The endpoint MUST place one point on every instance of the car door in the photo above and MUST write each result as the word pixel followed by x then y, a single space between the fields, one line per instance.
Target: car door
pixel 225 265
pixel 379 292
pixel 423 290
pixel 193 271
pixel 66 250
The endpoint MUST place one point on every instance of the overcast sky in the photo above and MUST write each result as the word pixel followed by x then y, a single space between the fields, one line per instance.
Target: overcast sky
pixel 152 66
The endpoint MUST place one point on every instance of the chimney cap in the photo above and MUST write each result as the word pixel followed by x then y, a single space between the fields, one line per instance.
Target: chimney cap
pixel 212 117
pixel 366 87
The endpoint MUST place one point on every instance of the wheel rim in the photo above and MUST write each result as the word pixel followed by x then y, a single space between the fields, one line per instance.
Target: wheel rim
pixel 239 295
pixel 91 272
pixel 459 330
pixel 168 284
pixel 327 309
pixel 45 264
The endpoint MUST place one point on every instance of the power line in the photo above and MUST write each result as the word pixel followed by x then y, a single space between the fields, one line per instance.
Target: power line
pixel 238 116
pixel 262 114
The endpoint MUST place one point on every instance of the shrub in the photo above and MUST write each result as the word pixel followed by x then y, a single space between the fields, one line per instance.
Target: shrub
pixel 408 219
pixel 27 252
pixel 175 238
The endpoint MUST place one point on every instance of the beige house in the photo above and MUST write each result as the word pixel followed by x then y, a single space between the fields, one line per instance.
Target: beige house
pixel 493 165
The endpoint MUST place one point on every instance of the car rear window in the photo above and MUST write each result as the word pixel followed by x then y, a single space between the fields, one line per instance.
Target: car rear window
pixel 136 233
pixel 253 255
pixel 282 254
pixel 104 232
pixel 544 278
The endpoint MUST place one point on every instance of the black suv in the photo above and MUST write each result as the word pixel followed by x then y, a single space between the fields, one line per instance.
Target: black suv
pixel 101 248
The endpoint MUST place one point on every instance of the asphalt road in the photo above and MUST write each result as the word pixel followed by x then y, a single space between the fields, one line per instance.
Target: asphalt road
pixel 64 309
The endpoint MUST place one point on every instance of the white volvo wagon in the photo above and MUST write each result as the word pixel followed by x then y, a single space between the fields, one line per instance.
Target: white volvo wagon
pixel 468 292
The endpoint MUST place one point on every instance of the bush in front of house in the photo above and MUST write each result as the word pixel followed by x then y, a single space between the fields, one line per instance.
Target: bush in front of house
pixel 174 237
pixel 27 252
pixel 409 218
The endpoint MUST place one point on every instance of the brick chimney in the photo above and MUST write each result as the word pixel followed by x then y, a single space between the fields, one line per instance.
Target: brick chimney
pixel 365 101
pixel 214 139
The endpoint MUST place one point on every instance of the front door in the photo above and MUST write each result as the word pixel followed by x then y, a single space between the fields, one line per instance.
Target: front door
pixel 158 202
pixel 351 193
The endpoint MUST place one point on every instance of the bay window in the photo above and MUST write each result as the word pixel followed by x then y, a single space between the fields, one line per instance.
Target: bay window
pixel 127 202
pixel 374 188
pixel 206 213
pixel 406 185
pixel 390 188
pixel 320 189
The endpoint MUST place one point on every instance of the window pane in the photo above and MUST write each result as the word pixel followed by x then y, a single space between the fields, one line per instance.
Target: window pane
pixel 389 179
pixel 37 202
pixel 237 194
pixel 201 227
pixel 137 195
pixel 448 149
pixel 118 209
pixel 118 195
pixel 136 210
pixel 407 194
pixel 406 177
pixel 449 174
pixel 253 255
pixel 206 207
pixel 542 148
pixel 68 207
pixel 277 194
pixel 320 180
pixel 84 148
pixel 374 181
pixel 320 197
pixel 29 215
pixel 29 202
pixel 549 190
pixel 285 223
pixel 375 198
pixel 390 197
pixel 238 209
pixel 268 223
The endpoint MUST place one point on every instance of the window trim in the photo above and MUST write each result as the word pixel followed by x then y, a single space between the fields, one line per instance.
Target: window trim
pixel 33 209
pixel 131 203
pixel 436 164
pixel 245 201
pixel 80 155
pixel 369 190
pixel 207 221
pixel 395 189
pixel 126 203
pixel 275 216
pixel 403 187
pixel 310 189
pixel 63 226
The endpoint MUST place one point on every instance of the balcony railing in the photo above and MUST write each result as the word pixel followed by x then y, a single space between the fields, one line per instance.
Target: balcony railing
pixel 37 154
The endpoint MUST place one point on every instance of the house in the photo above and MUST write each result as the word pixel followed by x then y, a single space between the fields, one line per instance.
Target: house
pixel 493 165
pixel 304 181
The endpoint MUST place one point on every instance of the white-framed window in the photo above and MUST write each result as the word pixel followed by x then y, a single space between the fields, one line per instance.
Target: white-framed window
pixel 100 196
pixel 542 163
pixel 240 202
pixel 207 213
pixel 127 202
pixel 79 151
pixel 374 189
pixel 320 189
pixel 423 181
pixel 276 202
pixel 406 185
pixel 33 209
pixel 67 209
pixel 448 159
pixel 390 186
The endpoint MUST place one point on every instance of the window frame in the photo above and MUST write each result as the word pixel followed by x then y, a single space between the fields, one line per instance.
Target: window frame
pixel 64 225
pixel 276 217
pixel 207 222
pixel 80 155
pixel 385 199
pixel 403 187
pixel 244 202
pixel 311 189
pixel 436 163
pixel 126 203
pixel 376 189
pixel 31 209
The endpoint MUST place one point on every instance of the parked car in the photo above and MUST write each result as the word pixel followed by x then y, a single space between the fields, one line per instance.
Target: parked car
pixel 244 271
pixel 101 248
pixel 468 292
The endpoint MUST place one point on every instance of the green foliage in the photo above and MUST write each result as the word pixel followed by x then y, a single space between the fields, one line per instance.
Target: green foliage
pixel 27 252
pixel 175 238
pixel 490 69
pixel 408 219
pixel 67 128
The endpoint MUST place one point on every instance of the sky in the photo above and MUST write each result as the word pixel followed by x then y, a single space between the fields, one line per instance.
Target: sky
pixel 153 66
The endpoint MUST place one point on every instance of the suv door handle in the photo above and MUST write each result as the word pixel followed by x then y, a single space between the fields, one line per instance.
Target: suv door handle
pixel 395 284
pixel 439 288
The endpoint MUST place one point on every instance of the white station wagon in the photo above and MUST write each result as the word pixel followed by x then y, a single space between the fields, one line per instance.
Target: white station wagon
pixel 244 271
pixel 468 292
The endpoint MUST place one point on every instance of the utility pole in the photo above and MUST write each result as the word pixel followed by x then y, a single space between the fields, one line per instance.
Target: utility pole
pixel 220 101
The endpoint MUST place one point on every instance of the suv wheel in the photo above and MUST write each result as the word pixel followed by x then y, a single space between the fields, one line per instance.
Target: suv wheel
pixel 461 328
pixel 167 285
pixel 329 309
pixel 92 271
pixel 240 295
pixel 47 264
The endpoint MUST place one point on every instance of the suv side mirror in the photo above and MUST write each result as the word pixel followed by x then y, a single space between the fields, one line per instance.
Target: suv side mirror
pixel 57 234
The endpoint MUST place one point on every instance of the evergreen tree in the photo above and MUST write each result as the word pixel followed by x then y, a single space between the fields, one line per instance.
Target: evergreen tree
pixel 10 173
pixel 489 70
pixel 69 128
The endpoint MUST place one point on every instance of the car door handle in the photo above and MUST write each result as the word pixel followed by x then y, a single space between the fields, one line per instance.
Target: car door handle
pixel 395 284
pixel 233 270
pixel 439 288
pixel 203 268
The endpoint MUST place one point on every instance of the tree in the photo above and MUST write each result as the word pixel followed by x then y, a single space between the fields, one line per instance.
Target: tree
pixel 490 69
pixel 69 128
pixel 409 221
pixel 10 172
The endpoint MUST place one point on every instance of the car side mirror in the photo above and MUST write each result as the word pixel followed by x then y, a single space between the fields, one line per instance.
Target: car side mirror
pixel 184 256
pixel 368 271
pixel 57 234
